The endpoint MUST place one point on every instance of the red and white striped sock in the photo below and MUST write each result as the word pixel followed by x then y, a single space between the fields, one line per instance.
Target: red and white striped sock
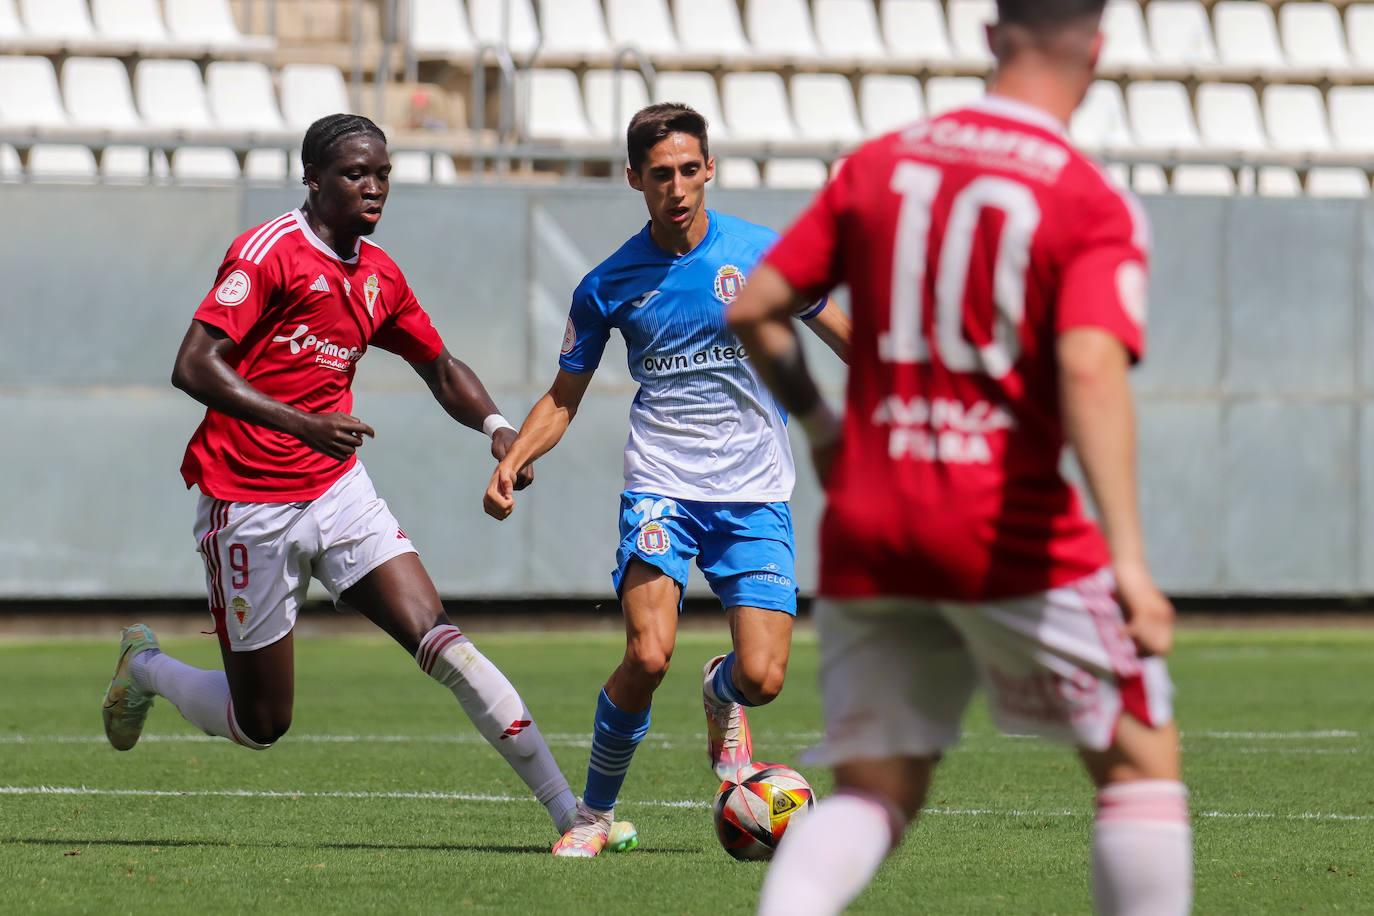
pixel 495 707
pixel 1142 862
pixel 201 696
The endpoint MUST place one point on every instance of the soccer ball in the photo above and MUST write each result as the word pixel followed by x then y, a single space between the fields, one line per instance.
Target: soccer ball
pixel 753 810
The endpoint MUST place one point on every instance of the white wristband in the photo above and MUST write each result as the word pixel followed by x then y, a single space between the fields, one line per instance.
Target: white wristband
pixel 494 422
pixel 821 425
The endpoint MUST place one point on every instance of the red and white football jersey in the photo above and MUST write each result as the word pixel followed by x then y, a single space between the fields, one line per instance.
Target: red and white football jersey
pixel 301 317
pixel 968 242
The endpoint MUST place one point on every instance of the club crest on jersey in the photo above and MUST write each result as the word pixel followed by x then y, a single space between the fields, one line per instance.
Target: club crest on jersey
pixel 653 539
pixel 241 609
pixel 234 289
pixel 729 281
pixel 569 338
pixel 371 290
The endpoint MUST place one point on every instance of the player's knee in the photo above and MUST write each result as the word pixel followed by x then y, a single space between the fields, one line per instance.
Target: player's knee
pixel 264 728
pixel 648 663
pixel 760 679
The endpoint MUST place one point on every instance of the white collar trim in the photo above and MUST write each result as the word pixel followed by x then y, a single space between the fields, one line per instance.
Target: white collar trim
pixel 1019 111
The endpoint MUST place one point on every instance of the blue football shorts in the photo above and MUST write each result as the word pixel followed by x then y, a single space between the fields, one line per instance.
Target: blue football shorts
pixel 745 550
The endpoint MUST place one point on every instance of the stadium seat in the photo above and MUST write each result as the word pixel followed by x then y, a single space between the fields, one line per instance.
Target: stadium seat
pixel 1295 118
pixel 67 22
pixel 848 29
pixel 139 23
pixel 444 171
pixel 1313 36
pixel 1149 179
pixel 550 104
pixel 410 166
pixel 1100 123
pixel 125 164
pixel 1359 33
pixel 439 30
pixel 242 97
pixel 311 91
pixel 1126 45
pixel 11 168
pixel 1277 181
pixel 643 24
pixel 756 107
pixel 267 165
pixel 697 90
pixel 734 172
pixel 781 28
pixel 1228 117
pixel 710 27
pixel 1337 182
pixel 170 94
pixel 1247 36
pixel 946 93
pixel 204 165
pixel 803 174
pixel 12 34
pixel 1180 33
pixel 97 94
pixel 967 29
pixel 1352 118
pixel 915 31
pixel 489 26
pixel 28 94
pixel 1212 180
pixel 211 22
pixel 612 98
pixel 573 29
pixel 823 108
pixel 61 162
pixel 889 101
pixel 1160 115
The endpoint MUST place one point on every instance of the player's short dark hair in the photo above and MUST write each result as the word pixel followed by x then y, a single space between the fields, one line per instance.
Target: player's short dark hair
pixel 317 148
pixel 1038 15
pixel 653 124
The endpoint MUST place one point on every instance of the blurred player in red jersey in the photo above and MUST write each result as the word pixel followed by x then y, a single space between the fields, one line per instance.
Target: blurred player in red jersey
pixel 999 288
pixel 272 352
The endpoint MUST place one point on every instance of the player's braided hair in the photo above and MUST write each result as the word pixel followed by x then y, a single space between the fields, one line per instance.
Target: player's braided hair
pixel 652 124
pixel 317 148
pixel 1042 14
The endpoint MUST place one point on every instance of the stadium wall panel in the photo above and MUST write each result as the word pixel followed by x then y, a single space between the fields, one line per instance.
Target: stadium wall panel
pixel 1257 421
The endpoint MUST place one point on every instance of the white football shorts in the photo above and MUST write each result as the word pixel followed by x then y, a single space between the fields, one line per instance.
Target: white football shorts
pixel 259 557
pixel 897 674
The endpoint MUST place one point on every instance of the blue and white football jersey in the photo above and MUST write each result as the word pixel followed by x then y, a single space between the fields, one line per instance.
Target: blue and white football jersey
pixel 702 426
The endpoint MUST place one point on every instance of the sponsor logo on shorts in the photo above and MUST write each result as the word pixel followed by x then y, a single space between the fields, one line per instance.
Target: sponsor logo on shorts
pixel 241 609
pixel 234 289
pixel 773 578
pixel 569 338
pixel 653 539
pixel 326 353
pixel 729 282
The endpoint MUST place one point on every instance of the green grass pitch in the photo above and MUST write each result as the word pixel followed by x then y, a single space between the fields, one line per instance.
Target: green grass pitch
pixel 382 799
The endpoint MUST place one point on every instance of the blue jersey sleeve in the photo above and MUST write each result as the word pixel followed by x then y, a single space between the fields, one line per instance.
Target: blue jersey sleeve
pixel 589 327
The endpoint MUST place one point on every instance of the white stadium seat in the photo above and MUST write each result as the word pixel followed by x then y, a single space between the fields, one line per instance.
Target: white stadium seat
pixel 311 91
pixel 697 90
pixel 1149 179
pixel 612 98
pixel 823 108
pixel 734 172
pixel 756 107
pixel 1246 35
pixel 61 162
pixel 170 94
pixel 125 164
pixel 946 93
pixel 710 27
pixel 551 104
pixel 97 93
pixel 11 32
pixel 242 96
pixel 200 165
pixel 1359 33
pixel 271 165
pixel 1352 118
pixel 1295 118
pixel 1337 182
pixel 411 167
pixel 1100 123
pixel 211 22
pixel 67 21
pixel 1180 33
pixel 848 29
pixel 439 29
pixel 28 93
pixel 801 174
pixel 11 168
pixel 1228 117
pixel 889 101
pixel 1278 181
pixel 915 30
pixel 643 24
pixel 781 28
pixel 967 28
pixel 1214 180
pixel 490 26
pixel 139 23
pixel 1126 44
pixel 1313 36
pixel 445 172
pixel 1160 115
pixel 573 28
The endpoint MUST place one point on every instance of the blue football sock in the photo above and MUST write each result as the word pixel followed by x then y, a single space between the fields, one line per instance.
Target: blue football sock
pixel 615 736
pixel 723 683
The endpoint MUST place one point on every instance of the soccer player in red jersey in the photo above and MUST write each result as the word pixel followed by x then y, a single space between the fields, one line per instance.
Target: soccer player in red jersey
pixel 271 352
pixel 999 288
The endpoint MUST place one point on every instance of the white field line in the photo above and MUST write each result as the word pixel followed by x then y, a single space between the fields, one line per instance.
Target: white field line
pixel 654 803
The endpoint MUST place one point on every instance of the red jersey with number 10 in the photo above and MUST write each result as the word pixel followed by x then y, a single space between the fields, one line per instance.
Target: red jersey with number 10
pixel 968 242
pixel 300 317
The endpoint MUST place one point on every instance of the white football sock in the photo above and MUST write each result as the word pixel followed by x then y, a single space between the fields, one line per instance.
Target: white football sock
pixel 201 696
pixel 825 860
pixel 493 705
pixel 1142 849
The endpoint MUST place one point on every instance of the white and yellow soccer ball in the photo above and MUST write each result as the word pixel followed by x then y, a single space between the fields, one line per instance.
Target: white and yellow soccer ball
pixel 754 810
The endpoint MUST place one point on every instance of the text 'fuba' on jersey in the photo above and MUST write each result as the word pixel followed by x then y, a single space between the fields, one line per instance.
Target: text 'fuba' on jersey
pixel 300 317
pixel 969 242
pixel 702 426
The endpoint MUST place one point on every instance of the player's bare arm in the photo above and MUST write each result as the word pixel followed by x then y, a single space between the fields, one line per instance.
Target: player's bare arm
pixel 463 396
pixel 548 420
pixel 833 327
pixel 1099 420
pixel 202 372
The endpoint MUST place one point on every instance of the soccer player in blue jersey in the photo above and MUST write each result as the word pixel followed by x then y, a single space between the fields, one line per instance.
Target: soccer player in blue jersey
pixel 708 467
